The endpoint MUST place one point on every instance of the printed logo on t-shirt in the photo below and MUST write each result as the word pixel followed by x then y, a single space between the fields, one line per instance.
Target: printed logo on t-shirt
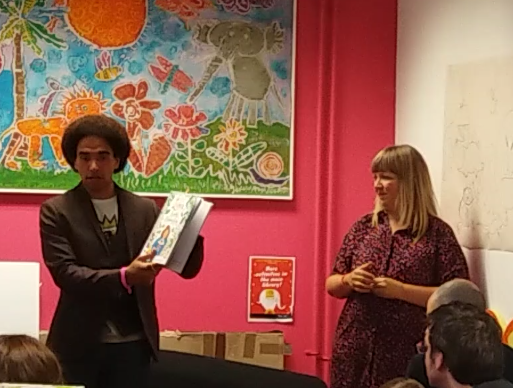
pixel 109 226
pixel 107 214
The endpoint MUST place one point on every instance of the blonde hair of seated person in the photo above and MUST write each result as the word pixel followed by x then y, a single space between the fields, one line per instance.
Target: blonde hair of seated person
pixel 24 359
pixel 402 382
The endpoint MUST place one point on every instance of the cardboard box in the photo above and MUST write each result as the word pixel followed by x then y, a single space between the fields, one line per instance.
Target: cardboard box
pixel 267 349
pixel 200 343
pixel 43 335
pixel 262 349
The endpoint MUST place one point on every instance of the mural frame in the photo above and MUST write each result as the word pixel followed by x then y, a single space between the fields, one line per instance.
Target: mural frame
pixel 291 163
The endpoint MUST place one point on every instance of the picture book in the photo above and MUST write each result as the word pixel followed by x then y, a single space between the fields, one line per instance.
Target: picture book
pixel 176 230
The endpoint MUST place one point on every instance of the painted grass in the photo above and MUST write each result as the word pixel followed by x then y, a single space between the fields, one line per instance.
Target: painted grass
pixel 276 136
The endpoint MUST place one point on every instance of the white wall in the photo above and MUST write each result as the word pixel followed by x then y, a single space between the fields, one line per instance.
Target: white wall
pixel 433 34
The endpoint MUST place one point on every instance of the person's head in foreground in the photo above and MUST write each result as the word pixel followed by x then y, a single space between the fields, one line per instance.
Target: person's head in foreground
pixel 24 359
pixel 456 290
pixel 403 187
pixel 402 382
pixel 96 146
pixel 463 346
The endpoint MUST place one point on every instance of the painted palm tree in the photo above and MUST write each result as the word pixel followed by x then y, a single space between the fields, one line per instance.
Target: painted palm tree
pixel 22 31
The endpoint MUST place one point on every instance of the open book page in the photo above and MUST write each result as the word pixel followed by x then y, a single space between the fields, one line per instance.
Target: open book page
pixel 177 211
pixel 185 244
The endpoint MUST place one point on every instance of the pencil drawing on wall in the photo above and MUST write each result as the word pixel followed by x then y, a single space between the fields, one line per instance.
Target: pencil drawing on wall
pixel 477 185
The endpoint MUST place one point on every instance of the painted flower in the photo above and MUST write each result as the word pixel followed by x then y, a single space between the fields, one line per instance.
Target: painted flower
pixel 244 6
pixel 270 165
pixel 184 9
pixel 185 123
pixel 232 134
pixel 132 105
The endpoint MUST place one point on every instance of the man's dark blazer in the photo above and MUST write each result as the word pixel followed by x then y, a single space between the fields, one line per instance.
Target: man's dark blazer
pixel 75 251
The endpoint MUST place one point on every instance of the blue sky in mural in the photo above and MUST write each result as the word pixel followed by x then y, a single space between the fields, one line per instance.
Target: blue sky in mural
pixel 6 101
pixel 165 35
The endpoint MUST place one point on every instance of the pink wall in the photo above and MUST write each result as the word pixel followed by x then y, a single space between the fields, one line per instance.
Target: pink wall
pixel 345 49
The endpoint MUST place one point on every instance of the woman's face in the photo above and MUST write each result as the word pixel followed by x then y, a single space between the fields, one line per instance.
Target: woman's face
pixel 386 188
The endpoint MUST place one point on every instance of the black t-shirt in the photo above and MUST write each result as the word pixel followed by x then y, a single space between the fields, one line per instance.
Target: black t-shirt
pixel 417 369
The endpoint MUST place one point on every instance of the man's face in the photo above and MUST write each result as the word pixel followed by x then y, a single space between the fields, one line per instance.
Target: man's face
pixel 95 163
pixel 434 362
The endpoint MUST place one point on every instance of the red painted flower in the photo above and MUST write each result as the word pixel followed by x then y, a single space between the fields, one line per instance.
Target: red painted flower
pixel 184 9
pixel 185 121
pixel 244 6
pixel 132 105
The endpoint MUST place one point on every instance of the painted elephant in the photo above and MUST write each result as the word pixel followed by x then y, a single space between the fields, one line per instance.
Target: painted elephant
pixel 241 46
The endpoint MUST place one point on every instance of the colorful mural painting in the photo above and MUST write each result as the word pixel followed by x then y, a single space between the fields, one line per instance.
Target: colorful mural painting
pixel 204 88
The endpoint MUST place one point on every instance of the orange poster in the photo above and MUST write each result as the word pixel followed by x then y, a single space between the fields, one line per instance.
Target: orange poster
pixel 271 289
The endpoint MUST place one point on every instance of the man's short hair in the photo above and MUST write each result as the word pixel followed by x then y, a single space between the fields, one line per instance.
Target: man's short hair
pixel 96 125
pixel 459 290
pixel 470 341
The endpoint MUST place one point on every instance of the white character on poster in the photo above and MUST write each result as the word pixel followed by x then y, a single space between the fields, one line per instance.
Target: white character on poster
pixel 270 299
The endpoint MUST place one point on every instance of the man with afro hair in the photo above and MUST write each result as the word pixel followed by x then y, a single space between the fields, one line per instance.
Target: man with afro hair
pixel 105 329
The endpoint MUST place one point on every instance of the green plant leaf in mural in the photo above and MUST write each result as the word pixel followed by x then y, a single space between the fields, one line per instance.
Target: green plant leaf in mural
pixel 7 8
pixel 28 37
pixel 196 162
pixel 180 146
pixel 218 156
pixel 181 170
pixel 249 154
pixel 40 32
pixel 181 157
pixel 199 173
pixel 9 28
pixel 200 145
pixel 28 5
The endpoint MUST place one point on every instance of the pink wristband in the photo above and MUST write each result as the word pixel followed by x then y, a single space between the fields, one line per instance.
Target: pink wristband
pixel 122 273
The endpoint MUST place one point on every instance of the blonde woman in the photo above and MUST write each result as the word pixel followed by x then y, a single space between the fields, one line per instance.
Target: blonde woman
pixel 390 262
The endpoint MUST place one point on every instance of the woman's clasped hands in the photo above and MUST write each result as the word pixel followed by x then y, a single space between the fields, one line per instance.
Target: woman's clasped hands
pixel 362 280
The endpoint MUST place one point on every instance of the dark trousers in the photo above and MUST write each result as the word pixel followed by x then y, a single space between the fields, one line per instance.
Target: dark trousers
pixel 113 365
